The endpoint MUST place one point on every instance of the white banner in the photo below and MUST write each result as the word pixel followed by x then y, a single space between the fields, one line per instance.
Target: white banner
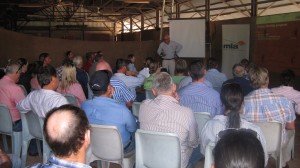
pixel 235 45
pixel 190 33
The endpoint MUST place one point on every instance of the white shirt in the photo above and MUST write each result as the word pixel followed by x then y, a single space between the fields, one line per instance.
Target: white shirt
pixel 169 50
pixel 212 128
pixel 131 81
pixel 41 102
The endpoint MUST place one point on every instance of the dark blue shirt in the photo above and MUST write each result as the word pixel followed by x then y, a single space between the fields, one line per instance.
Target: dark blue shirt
pixel 244 83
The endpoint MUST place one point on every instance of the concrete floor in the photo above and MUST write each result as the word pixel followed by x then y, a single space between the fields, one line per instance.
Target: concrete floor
pixel 271 164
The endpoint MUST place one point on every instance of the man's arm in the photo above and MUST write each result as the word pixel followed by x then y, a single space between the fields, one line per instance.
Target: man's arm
pixel 130 121
pixel 290 120
pixel 290 125
pixel 178 47
pixel 24 105
pixel 160 49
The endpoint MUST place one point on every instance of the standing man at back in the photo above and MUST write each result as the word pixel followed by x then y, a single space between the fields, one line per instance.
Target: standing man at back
pixel 168 50
pixel 165 114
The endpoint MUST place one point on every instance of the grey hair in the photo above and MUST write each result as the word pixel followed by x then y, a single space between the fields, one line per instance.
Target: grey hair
pixel 162 82
pixel 77 60
pixel 12 68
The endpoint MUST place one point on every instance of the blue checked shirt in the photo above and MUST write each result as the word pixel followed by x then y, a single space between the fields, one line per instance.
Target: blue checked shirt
pixel 54 162
pixel 263 105
pixel 122 94
pixel 201 98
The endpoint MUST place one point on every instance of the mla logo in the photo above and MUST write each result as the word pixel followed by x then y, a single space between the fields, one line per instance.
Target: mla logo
pixel 233 45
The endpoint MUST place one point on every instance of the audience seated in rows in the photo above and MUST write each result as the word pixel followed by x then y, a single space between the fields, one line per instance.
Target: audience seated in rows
pixel 11 93
pixel 130 81
pixel 103 110
pixel 232 98
pixel 197 95
pixel 131 66
pixel 69 84
pixel 69 56
pixel 262 105
pixel 67 132
pixel 43 100
pixel 165 114
pixel 81 76
pixel 213 75
pixel 181 71
pixel 239 73
pixel 286 89
pixel 238 148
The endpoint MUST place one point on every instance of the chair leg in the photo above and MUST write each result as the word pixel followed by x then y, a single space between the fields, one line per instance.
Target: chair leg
pixel 99 164
pixel 104 164
pixel 25 145
pixel 46 151
pixel 38 145
pixel 16 143
pixel 4 143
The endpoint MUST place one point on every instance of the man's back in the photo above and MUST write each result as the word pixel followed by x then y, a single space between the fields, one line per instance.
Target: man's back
pixel 216 78
pixel 263 105
pixel 106 111
pixel 201 98
pixel 165 114
pixel 244 83
pixel 41 101
pixel 11 94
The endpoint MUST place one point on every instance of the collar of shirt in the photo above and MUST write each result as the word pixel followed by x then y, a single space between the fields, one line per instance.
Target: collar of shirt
pixel 119 74
pixel 167 98
pixel 102 98
pixel 213 70
pixel 63 163
pixel 289 88
pixel 201 84
pixel 8 79
pixel 261 91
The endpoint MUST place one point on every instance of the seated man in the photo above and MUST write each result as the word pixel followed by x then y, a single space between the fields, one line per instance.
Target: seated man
pixel 286 89
pixel 103 110
pixel 121 92
pixel 261 105
pixel 197 95
pixel 239 74
pixel 213 75
pixel 67 132
pixel 43 100
pixel 165 114
pixel 11 93
pixel 130 81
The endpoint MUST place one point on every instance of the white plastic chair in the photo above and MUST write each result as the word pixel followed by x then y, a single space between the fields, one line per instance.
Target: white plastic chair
pixel 32 129
pixel 209 158
pixel 201 119
pixel 157 149
pixel 106 145
pixel 273 132
pixel 6 128
pixel 149 94
pixel 71 99
pixel 136 108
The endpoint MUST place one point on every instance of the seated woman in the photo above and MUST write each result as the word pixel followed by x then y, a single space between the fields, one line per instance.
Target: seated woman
pixel 69 84
pixel 181 70
pixel 232 98
pixel 238 148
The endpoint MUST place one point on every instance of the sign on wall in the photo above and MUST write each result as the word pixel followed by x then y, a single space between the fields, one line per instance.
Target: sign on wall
pixel 235 45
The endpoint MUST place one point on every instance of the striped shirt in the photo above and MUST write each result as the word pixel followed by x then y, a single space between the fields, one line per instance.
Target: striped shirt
pixel 263 105
pixel 290 93
pixel 121 93
pixel 165 114
pixel 219 123
pixel 200 98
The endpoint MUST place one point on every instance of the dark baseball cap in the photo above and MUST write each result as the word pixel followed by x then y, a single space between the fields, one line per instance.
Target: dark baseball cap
pixel 100 81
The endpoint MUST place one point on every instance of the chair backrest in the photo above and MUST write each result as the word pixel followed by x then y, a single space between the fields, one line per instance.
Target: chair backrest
pixel 24 90
pixel 71 99
pixel 273 132
pixel 201 119
pixel 31 122
pixel 149 94
pixel 136 108
pixel 106 143
pixel 6 125
pixel 156 149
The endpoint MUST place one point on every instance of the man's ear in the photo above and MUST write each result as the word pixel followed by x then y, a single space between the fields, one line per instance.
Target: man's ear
pixel 174 88
pixel 154 92
pixel 110 89
pixel 87 138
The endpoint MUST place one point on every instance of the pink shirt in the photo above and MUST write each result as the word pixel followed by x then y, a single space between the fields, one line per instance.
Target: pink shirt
pixel 290 93
pixel 76 90
pixel 11 94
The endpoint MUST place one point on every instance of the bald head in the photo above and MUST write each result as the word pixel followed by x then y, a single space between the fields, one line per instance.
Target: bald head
pixel 65 128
